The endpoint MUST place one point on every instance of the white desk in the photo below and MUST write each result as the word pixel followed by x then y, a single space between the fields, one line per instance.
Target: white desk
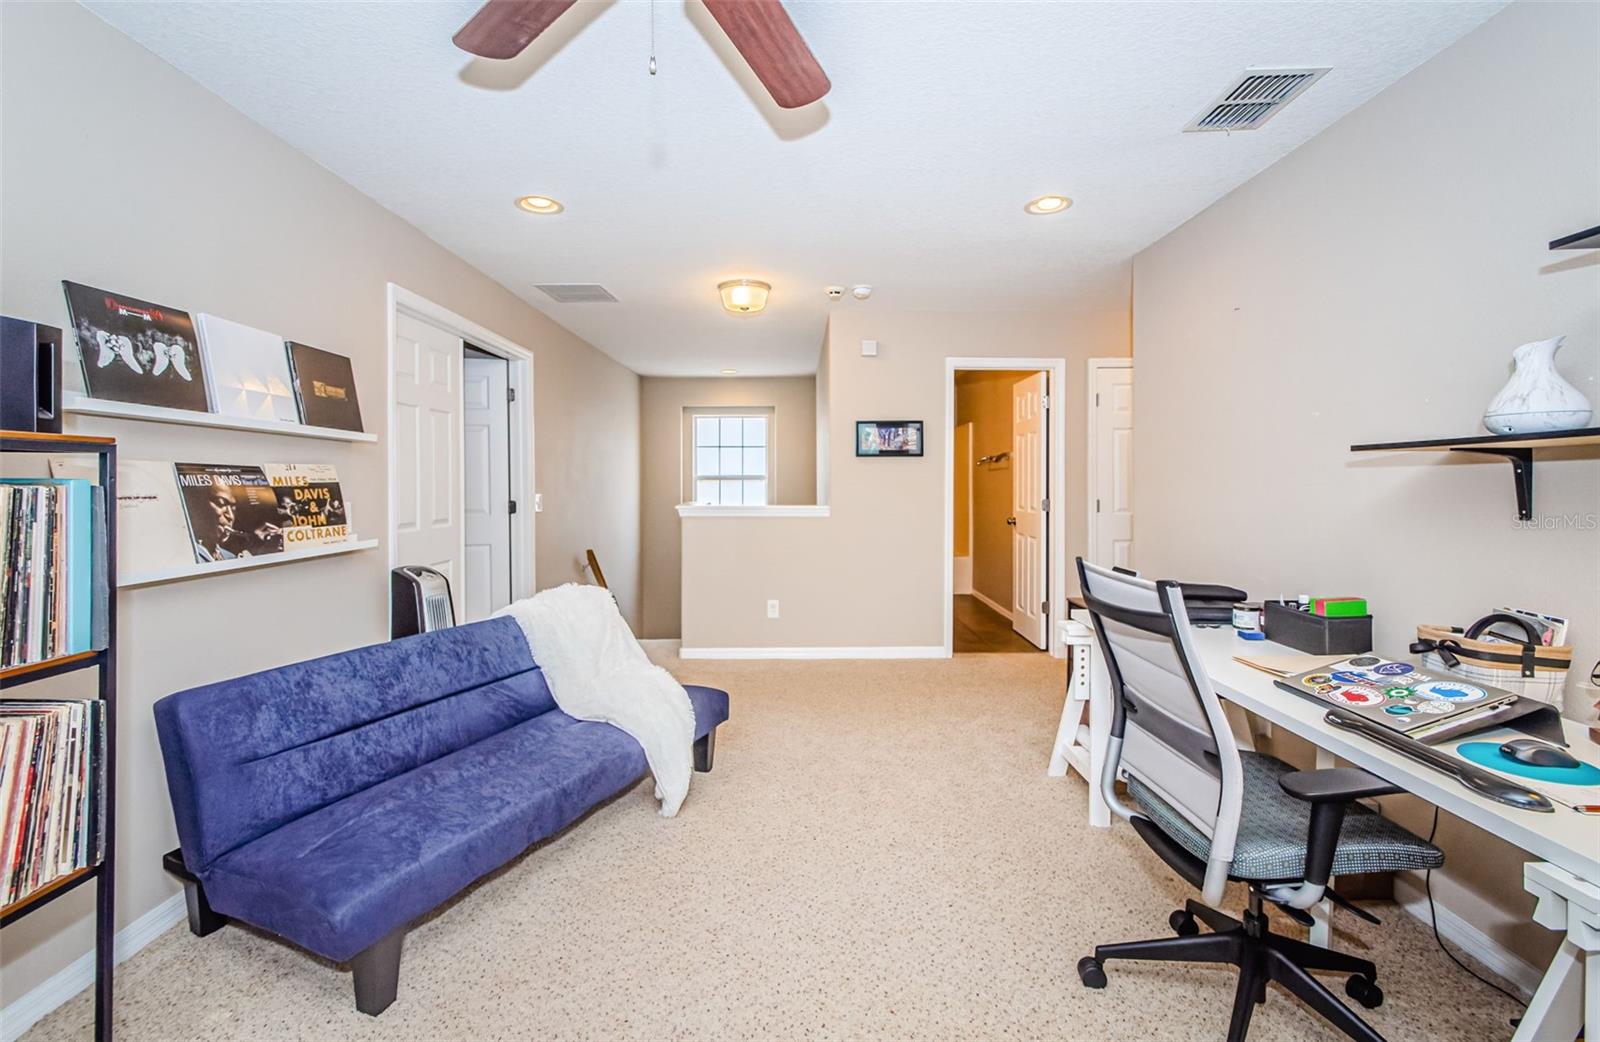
pixel 1566 877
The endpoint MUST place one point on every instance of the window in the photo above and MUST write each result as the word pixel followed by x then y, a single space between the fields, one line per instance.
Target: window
pixel 730 459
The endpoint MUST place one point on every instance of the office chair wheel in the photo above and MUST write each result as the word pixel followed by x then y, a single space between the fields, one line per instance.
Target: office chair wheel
pixel 1091 973
pixel 1364 990
pixel 1183 923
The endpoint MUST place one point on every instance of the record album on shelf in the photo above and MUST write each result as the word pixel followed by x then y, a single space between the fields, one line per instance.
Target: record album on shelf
pixel 232 510
pixel 325 385
pixel 135 351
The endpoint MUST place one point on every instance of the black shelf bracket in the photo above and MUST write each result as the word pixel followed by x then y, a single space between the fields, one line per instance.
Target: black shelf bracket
pixel 1521 475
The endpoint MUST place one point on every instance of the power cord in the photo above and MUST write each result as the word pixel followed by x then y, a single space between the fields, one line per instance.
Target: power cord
pixel 1433 919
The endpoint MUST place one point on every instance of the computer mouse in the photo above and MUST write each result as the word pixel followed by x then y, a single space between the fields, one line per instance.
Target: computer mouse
pixel 1535 753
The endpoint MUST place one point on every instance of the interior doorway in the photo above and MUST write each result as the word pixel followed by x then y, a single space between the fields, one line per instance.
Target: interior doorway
pixel 460 440
pixel 1004 529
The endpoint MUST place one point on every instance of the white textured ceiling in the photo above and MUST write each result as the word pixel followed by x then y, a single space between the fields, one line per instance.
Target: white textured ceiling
pixel 911 174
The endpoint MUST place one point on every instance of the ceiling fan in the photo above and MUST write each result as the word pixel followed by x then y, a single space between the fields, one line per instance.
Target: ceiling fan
pixel 760 30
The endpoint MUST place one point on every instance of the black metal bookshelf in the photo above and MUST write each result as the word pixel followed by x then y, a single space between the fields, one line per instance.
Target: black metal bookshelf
pixel 104 662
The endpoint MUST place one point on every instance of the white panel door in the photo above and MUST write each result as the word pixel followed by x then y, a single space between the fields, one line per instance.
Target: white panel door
pixel 427 450
pixel 1029 567
pixel 1111 482
pixel 486 498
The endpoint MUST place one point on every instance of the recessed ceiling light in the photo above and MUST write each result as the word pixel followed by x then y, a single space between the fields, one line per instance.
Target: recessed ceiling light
pixel 539 204
pixel 744 296
pixel 730 372
pixel 1048 204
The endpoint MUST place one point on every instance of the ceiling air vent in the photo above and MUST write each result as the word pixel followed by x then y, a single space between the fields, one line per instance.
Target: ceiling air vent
pixel 1255 97
pixel 577 293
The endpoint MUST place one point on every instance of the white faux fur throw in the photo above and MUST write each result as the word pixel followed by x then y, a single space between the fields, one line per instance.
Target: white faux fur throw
pixel 597 671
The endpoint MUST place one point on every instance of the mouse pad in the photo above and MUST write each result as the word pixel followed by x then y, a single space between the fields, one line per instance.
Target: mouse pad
pixel 1488 754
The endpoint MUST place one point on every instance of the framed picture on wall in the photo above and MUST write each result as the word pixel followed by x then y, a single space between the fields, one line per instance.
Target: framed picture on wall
pixel 888 437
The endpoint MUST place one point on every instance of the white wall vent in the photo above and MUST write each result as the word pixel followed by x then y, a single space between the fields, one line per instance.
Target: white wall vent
pixel 577 293
pixel 1252 99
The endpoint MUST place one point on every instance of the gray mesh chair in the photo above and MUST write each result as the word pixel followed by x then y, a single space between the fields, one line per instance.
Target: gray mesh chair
pixel 1214 814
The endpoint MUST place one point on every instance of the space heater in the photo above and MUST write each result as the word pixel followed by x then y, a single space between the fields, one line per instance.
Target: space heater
pixel 419 601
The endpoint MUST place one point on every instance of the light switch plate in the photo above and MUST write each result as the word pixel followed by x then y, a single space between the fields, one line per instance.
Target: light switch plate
pixel 869 349
pixel 538 502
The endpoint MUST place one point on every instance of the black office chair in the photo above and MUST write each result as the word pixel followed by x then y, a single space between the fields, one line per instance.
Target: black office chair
pixel 1214 813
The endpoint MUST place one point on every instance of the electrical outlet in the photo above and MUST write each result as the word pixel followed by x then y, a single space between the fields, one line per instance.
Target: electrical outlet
pixel 772 609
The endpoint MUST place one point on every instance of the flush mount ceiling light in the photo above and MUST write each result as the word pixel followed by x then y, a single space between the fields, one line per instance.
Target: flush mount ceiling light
pixel 1048 204
pixel 730 372
pixel 744 296
pixel 539 204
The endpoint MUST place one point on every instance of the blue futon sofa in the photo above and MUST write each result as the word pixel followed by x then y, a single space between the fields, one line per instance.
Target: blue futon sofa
pixel 333 802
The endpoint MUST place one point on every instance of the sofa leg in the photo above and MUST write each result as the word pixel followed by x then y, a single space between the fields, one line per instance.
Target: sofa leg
pixel 704 750
pixel 377 973
pixel 202 920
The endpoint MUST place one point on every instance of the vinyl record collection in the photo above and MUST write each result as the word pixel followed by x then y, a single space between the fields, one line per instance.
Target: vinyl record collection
pixel 50 753
pixel 51 534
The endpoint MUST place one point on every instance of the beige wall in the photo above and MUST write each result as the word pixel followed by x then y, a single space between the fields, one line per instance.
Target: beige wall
pixel 662 401
pixel 872 573
pixel 983 399
pixel 120 172
pixel 1370 287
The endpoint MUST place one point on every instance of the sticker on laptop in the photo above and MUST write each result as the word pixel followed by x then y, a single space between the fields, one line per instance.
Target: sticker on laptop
pixel 1398 710
pixel 1366 660
pixel 1434 708
pixel 1353 676
pixel 1357 696
pixel 1317 680
pixel 1397 692
pixel 1394 669
pixel 1452 691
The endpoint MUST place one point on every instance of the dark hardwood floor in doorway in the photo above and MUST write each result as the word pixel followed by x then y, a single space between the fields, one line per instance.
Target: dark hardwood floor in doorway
pixel 978 627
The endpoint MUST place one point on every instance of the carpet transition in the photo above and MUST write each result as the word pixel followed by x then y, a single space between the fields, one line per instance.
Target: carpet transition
pixel 878 855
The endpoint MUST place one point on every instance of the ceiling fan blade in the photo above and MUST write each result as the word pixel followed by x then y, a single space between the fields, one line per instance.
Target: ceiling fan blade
pixel 762 33
pixel 503 28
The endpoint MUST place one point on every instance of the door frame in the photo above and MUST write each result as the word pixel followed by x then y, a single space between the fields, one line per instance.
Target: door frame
pixel 1091 460
pixel 519 377
pixel 1056 481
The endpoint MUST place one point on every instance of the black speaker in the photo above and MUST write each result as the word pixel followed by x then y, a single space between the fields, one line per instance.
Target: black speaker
pixel 419 601
pixel 30 376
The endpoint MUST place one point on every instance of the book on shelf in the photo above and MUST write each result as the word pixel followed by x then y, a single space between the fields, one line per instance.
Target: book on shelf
pixel 247 370
pixel 325 386
pixel 134 351
pixel 51 791
pixel 51 534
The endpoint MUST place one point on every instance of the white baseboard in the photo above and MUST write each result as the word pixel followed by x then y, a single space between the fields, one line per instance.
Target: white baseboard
pixel 39 1003
pixel 1522 975
pixel 916 651
pixel 661 645
pixel 961 575
pixel 984 600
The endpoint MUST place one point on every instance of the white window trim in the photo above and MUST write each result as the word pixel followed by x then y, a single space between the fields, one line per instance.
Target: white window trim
pixel 687 471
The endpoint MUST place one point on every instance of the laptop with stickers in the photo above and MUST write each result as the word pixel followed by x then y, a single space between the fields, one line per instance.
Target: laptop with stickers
pixel 1403 698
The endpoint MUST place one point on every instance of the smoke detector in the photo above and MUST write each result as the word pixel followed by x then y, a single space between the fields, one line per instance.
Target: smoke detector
pixel 1252 99
pixel 835 292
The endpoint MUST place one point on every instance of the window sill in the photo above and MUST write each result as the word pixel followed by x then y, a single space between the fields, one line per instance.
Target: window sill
pixel 696 510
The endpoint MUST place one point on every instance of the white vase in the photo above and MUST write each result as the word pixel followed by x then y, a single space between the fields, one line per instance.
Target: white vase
pixel 1537 398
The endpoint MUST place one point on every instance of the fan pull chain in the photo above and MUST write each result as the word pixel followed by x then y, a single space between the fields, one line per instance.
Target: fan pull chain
pixel 652 37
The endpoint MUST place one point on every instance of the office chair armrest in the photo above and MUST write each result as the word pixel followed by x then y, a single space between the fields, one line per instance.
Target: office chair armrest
pixel 1329 792
pixel 1335 785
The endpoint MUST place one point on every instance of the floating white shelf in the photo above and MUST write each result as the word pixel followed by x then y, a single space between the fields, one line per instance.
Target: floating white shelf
pixel 190 571
pixel 79 403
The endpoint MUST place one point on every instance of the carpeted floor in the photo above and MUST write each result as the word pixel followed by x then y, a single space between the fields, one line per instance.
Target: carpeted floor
pixel 878 855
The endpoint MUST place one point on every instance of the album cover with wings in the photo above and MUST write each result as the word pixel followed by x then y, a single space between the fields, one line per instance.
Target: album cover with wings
pixel 136 351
